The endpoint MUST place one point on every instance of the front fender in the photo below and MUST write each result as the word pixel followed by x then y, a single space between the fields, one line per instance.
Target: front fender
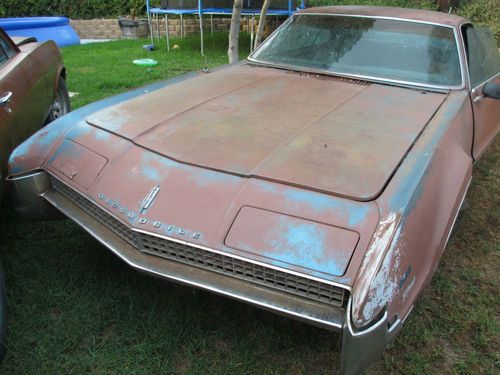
pixel 418 208
pixel 30 155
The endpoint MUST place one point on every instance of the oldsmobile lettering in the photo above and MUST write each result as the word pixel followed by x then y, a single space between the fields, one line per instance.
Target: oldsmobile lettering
pixel 132 216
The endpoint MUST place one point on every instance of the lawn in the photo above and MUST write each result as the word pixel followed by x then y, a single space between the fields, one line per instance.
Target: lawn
pixel 75 308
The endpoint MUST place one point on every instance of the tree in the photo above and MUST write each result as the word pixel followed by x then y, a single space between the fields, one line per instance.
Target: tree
pixel 234 32
pixel 445 5
pixel 262 22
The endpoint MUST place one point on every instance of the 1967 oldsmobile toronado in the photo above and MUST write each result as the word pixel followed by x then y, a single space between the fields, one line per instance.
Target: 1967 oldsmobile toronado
pixel 319 179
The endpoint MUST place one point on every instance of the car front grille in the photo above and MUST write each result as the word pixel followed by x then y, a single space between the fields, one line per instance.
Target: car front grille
pixel 205 259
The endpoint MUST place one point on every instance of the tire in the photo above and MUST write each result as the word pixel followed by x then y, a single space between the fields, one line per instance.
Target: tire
pixel 61 104
pixel 3 316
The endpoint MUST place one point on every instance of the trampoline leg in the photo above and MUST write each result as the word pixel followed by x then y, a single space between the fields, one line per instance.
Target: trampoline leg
pixel 158 28
pixel 150 26
pixel 212 24
pixel 182 27
pixel 251 33
pixel 167 33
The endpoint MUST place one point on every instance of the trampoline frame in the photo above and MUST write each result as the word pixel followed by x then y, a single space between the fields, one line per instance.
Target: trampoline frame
pixel 155 13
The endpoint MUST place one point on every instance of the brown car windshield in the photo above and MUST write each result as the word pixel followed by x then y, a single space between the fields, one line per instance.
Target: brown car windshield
pixel 383 49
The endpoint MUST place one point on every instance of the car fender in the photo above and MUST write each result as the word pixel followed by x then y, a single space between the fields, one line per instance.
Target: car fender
pixel 30 154
pixel 418 209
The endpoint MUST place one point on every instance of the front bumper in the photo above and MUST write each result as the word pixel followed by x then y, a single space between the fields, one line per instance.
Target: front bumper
pixel 34 197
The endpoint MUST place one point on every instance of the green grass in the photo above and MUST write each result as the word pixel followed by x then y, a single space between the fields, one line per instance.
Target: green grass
pixel 75 308
pixel 99 70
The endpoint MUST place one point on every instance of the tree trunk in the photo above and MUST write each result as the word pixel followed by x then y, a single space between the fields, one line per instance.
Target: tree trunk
pixel 262 22
pixel 234 32
pixel 445 5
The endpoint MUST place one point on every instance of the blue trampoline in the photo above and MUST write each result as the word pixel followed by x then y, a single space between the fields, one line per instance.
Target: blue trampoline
pixel 251 8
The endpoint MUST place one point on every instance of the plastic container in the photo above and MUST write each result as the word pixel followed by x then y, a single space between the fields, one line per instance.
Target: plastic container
pixel 57 29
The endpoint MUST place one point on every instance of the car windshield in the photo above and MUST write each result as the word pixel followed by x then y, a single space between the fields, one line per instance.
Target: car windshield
pixel 382 49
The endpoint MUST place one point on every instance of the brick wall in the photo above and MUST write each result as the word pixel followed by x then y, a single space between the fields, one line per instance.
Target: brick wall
pixel 109 29
pixel 97 28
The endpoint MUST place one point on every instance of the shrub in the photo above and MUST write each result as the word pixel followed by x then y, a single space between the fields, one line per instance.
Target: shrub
pixel 85 9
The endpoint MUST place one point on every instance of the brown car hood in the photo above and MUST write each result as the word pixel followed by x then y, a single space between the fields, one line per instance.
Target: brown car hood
pixel 331 135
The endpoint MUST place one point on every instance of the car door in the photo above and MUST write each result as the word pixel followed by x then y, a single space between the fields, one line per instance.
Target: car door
pixel 484 66
pixel 7 51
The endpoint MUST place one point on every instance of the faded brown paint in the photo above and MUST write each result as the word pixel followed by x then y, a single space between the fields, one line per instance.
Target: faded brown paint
pixel 486 119
pixel 30 74
pixel 327 135
pixel 415 237
pixel 259 163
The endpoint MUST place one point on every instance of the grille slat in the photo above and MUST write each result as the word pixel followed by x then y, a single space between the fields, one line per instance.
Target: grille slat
pixel 208 260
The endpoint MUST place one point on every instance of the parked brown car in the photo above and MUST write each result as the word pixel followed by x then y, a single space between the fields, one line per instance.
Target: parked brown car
pixel 320 179
pixel 32 93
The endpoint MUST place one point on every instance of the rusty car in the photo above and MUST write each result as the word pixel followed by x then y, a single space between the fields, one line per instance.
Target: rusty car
pixel 32 93
pixel 319 179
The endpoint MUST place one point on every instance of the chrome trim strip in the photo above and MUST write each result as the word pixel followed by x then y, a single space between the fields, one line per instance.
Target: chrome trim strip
pixel 30 174
pixel 464 53
pixel 457 213
pixel 376 17
pixel 362 332
pixel 266 265
pixel 70 209
pixel 365 77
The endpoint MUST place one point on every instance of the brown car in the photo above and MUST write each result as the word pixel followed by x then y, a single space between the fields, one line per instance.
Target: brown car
pixel 320 179
pixel 32 93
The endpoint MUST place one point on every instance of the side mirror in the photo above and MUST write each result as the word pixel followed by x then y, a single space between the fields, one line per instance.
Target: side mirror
pixel 491 90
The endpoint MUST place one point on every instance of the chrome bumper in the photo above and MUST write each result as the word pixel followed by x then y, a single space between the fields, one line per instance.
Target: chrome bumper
pixel 26 193
pixel 33 197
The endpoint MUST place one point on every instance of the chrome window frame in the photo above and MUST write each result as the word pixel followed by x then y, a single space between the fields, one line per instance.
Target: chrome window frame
pixel 365 77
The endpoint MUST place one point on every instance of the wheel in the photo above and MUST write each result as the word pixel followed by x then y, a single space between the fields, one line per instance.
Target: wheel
pixel 3 315
pixel 61 104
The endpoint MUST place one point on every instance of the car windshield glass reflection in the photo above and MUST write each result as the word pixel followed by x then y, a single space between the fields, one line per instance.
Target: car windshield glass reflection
pixel 378 48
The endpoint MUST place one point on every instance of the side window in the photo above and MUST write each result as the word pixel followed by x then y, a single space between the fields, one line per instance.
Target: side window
pixel 6 50
pixel 482 54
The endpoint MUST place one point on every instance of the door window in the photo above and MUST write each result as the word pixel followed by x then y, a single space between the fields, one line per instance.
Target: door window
pixel 6 50
pixel 482 54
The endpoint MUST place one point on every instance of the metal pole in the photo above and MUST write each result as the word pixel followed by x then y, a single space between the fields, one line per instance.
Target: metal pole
pixel 202 47
pixel 150 23
pixel 200 17
pixel 182 27
pixel 167 33
pixel 158 27
pixel 211 24
pixel 251 33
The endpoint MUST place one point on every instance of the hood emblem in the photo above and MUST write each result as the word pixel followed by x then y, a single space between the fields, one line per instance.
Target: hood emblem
pixel 148 199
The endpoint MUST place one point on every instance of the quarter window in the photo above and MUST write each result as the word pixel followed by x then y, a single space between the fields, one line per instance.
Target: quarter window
pixel 482 54
pixel 6 50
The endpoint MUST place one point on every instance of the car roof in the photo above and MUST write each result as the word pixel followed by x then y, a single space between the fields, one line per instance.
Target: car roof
pixel 418 15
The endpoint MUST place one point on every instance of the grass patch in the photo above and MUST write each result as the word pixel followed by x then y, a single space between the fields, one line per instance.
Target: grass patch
pixel 100 70
pixel 75 308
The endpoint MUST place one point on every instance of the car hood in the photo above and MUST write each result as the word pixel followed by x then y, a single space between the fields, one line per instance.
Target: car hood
pixel 331 135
